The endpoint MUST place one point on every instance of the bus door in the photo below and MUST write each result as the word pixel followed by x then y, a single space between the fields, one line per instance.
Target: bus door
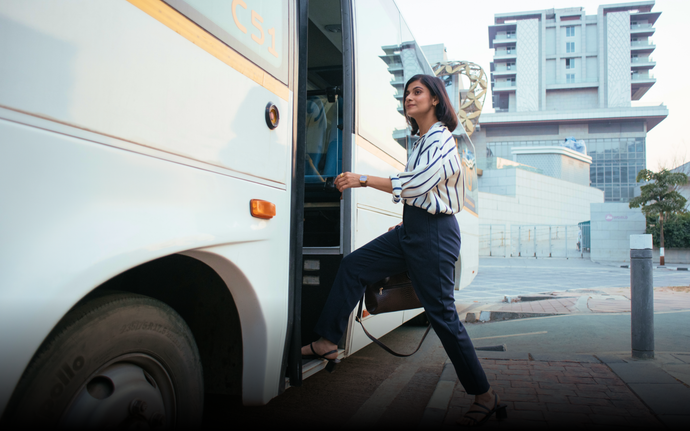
pixel 360 54
pixel 327 108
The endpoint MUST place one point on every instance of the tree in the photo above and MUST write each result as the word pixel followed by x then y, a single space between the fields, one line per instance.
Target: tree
pixel 659 197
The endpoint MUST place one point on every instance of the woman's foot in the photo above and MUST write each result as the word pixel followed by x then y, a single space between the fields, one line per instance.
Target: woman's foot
pixel 321 348
pixel 481 410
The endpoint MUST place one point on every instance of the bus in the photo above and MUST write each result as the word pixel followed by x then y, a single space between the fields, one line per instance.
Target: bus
pixel 168 222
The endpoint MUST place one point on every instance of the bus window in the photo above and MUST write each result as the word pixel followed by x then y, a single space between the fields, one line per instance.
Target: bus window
pixel 257 29
pixel 387 56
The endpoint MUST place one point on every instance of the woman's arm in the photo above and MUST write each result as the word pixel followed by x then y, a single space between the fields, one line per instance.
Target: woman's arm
pixel 350 180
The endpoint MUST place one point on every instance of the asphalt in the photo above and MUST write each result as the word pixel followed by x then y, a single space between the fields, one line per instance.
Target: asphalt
pixel 568 360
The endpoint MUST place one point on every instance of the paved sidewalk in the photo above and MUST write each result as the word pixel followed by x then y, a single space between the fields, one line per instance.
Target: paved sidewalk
pixel 564 392
pixel 602 391
pixel 603 300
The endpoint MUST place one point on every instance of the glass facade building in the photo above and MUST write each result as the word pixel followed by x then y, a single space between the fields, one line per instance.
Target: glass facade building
pixel 615 162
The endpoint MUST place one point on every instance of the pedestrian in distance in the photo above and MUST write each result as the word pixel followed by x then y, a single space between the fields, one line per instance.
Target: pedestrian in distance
pixel 426 244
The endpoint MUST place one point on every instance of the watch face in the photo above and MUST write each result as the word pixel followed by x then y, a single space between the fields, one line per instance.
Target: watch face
pixel 363 179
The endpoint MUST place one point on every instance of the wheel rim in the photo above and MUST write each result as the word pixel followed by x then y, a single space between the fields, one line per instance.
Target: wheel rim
pixel 131 391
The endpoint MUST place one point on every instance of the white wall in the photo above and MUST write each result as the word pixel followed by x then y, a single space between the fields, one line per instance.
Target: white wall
pixel 533 199
pixel 585 98
pixel 610 230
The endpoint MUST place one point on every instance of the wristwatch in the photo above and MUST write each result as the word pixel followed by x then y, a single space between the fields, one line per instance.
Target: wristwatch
pixel 363 180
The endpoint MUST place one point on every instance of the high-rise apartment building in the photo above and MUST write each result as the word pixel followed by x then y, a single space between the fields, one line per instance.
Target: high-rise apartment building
pixel 560 73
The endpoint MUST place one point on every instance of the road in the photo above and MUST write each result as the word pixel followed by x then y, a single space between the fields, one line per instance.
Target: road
pixel 499 277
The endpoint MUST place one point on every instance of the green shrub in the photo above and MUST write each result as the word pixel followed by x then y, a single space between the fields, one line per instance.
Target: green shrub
pixel 676 230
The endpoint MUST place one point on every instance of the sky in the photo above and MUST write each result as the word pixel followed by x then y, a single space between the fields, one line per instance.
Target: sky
pixel 462 25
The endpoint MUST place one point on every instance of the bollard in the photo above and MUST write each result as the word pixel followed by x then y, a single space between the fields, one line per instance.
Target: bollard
pixel 641 297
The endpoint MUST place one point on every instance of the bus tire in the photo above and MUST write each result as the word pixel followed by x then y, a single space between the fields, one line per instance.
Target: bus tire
pixel 115 360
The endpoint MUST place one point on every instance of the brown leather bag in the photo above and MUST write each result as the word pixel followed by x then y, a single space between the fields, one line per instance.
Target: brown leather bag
pixel 393 293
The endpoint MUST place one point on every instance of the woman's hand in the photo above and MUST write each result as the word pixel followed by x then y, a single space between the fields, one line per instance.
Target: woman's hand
pixel 347 180
pixel 350 180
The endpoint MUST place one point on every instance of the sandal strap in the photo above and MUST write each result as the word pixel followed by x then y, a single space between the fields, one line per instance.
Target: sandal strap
pixel 311 345
pixel 487 411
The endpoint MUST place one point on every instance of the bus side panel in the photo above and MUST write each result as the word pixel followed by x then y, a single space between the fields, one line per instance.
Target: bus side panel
pixel 107 66
pixel 468 219
pixel 77 213
pixel 468 264
pixel 374 215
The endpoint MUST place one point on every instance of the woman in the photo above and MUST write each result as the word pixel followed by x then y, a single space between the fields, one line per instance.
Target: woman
pixel 426 244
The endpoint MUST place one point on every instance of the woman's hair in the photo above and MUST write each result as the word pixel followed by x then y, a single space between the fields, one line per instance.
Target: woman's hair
pixel 444 110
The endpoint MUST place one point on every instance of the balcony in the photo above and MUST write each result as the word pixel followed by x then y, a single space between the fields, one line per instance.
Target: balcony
pixel 640 83
pixel 504 39
pixel 642 29
pixel 641 46
pixel 505 55
pixel 504 71
pixel 639 63
pixel 503 86
pixel 639 77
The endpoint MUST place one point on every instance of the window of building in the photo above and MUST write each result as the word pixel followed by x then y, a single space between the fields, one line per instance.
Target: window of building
pixel 570 63
pixel 570 78
pixel 570 31
pixel 510 50
pixel 570 47
pixel 510 34
pixel 510 66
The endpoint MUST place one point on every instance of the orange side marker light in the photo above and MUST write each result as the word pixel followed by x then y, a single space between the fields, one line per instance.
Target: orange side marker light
pixel 262 209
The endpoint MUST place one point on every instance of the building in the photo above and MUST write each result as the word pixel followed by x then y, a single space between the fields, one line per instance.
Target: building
pixel 560 73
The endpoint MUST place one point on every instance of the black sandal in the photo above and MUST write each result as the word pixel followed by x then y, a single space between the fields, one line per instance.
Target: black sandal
pixel 499 409
pixel 330 367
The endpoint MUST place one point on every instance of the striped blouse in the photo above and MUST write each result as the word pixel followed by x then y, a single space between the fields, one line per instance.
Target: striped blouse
pixel 432 179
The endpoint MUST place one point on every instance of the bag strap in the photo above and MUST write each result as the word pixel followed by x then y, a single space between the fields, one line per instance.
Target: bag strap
pixel 380 344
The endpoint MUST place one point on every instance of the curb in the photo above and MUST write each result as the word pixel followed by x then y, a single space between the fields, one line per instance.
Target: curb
pixel 669 268
pixel 493 316
pixel 436 409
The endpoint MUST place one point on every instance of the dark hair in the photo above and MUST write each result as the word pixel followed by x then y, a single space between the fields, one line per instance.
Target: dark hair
pixel 444 109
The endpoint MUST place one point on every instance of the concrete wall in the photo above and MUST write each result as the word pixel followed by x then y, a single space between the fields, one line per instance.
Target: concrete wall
pixel 672 256
pixel 516 196
pixel 610 230
pixel 585 98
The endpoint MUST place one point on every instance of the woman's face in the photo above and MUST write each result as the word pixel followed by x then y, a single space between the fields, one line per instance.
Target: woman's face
pixel 418 100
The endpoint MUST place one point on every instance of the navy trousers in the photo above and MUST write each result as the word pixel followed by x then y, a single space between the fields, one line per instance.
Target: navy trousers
pixel 427 247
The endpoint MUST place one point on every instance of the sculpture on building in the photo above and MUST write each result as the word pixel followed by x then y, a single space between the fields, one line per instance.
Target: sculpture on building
pixel 472 99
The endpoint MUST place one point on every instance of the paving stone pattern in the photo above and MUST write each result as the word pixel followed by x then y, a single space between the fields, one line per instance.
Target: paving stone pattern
pixel 546 394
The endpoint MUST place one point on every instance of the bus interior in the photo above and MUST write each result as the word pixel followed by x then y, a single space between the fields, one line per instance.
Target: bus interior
pixel 323 204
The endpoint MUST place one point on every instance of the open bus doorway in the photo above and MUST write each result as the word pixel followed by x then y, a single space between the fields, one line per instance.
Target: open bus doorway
pixel 327 141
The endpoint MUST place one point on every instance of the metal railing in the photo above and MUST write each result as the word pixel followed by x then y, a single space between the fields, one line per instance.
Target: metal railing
pixel 641 76
pixel 641 60
pixel 563 241
pixel 641 42
pixel 504 84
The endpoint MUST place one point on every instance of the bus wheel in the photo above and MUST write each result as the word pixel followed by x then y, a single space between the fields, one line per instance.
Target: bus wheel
pixel 115 360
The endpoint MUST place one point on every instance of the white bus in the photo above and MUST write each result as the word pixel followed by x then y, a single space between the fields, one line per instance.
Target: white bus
pixel 168 223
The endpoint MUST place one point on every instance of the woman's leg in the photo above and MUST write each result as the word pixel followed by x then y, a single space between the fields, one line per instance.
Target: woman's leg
pixel 374 261
pixel 431 251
